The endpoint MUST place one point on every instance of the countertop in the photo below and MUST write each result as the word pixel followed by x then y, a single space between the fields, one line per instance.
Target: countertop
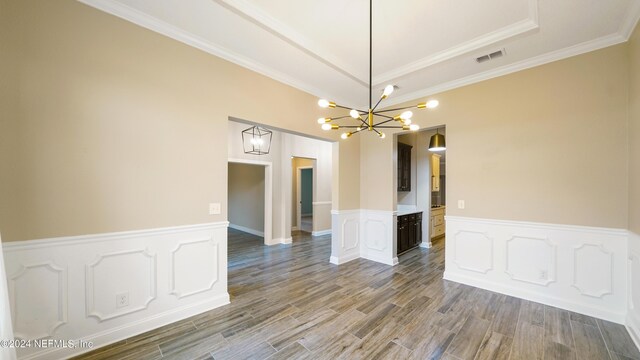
pixel 407 209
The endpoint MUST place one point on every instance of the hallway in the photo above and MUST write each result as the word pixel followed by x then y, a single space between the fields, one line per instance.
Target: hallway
pixel 289 302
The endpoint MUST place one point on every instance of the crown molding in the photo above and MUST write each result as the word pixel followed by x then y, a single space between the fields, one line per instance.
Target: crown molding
pixel 516 29
pixel 631 20
pixel 260 18
pixel 549 57
pixel 154 24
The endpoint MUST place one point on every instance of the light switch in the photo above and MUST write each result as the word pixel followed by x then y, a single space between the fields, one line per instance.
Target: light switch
pixel 460 204
pixel 214 209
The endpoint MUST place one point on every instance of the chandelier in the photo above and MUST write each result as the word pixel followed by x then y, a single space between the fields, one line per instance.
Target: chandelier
pixel 371 119
pixel 256 140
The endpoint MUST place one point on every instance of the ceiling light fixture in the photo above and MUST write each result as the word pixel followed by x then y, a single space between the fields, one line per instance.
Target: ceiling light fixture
pixel 436 143
pixel 367 119
pixel 257 140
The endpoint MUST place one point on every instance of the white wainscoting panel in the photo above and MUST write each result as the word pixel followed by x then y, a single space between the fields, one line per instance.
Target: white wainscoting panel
pixel 139 285
pixel 368 234
pixel 582 269
pixel 345 236
pixel 33 318
pixel 67 288
pixel 633 315
pixel 378 234
pixel 473 251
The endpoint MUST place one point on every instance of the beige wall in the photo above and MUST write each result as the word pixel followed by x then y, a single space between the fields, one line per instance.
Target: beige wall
pixel 10 188
pixel 346 175
pixel 634 132
pixel 547 144
pixel 246 196
pixel 113 127
pixel 295 164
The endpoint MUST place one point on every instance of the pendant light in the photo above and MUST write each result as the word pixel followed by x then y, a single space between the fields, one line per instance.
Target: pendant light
pixel 256 140
pixel 436 143
pixel 372 119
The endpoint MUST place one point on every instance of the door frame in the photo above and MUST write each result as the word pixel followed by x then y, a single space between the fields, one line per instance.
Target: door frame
pixel 268 194
pixel 299 194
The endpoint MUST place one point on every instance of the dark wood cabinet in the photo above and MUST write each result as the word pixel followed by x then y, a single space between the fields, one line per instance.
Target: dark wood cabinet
pixel 404 167
pixel 409 231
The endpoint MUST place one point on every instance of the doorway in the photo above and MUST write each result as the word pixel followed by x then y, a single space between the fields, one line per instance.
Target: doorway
pixel 302 204
pixel 250 197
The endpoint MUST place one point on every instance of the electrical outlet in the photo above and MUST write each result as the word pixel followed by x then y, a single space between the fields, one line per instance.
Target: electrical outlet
pixel 460 204
pixel 214 209
pixel 543 274
pixel 122 300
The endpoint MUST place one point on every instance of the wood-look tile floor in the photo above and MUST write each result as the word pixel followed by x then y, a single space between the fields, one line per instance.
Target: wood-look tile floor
pixel 288 302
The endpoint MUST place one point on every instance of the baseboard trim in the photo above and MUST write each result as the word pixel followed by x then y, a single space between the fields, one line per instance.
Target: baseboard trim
pixel 321 232
pixel 247 230
pixel 134 328
pixel 390 262
pixel 342 260
pixel 597 312
pixel 426 245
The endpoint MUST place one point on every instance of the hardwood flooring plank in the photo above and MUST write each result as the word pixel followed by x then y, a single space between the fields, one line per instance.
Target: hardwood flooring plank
pixel 193 344
pixel 433 343
pixel 532 312
pixel 589 342
pixel 528 342
pixel 466 344
pixel 618 339
pixel 293 351
pixel 555 351
pixel 495 346
pixel 506 319
pixel 557 326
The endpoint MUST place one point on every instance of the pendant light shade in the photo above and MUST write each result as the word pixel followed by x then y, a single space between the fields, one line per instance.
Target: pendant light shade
pixel 436 143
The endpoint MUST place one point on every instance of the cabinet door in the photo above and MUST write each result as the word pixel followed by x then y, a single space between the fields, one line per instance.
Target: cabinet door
pixel 418 231
pixel 435 172
pixel 404 167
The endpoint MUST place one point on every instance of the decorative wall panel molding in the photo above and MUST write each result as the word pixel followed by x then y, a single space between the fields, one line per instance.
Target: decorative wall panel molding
pixel 350 234
pixel 374 234
pixel 531 260
pixel 579 268
pixel 33 318
pixel 359 233
pixel 194 257
pixel 102 290
pixel 100 269
pixel 593 270
pixel 473 251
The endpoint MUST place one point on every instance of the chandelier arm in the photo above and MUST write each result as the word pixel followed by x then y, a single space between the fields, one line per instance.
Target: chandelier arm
pixel 378 103
pixel 387 127
pixel 343 107
pixel 384 116
pixel 377 132
pixel 396 109
pixel 350 126
pixel 383 122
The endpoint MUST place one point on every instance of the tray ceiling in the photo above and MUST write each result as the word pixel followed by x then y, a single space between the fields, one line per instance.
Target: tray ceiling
pixel 423 47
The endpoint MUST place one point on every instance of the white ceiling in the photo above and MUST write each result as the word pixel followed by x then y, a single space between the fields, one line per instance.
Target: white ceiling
pixel 422 46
